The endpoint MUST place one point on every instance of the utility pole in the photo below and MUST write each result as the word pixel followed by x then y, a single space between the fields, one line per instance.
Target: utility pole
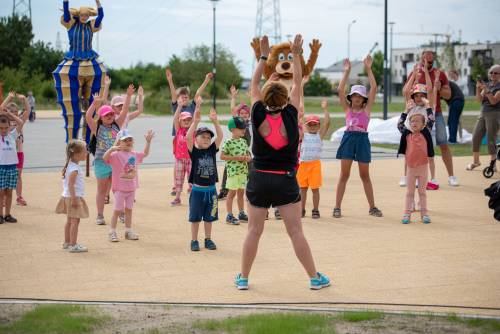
pixel 386 77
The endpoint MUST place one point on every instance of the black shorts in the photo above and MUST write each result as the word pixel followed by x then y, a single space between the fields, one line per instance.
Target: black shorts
pixel 267 189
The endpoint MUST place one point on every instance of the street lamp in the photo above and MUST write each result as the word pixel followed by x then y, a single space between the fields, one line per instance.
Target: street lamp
pixel 390 64
pixel 386 77
pixel 349 38
pixel 214 70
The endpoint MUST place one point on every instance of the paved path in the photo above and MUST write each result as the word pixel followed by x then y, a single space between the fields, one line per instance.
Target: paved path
pixel 453 261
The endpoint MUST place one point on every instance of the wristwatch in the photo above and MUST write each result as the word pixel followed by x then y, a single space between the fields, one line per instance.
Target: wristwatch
pixel 263 57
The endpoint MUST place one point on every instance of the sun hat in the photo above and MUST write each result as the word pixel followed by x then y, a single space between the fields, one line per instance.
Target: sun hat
pixel 358 89
pixel 185 115
pixel 312 119
pixel 204 129
pixel 117 100
pixel 124 134
pixel 104 110
pixel 241 107
pixel 419 88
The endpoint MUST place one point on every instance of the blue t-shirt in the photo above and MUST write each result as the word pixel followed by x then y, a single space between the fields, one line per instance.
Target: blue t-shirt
pixel 189 108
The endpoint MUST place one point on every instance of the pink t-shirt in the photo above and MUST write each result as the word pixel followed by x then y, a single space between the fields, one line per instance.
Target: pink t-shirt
pixel 125 170
pixel 180 144
pixel 357 121
pixel 416 150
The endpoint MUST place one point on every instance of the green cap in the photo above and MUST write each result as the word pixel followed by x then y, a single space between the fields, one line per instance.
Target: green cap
pixel 236 123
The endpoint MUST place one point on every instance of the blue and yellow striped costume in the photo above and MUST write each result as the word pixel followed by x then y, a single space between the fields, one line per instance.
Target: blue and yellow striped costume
pixel 80 74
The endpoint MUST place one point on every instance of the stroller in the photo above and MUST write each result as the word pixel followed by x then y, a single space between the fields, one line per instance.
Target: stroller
pixel 490 170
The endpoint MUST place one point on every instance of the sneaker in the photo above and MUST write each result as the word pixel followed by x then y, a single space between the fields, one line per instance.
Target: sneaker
pixel 131 235
pixel 406 219
pixel 209 244
pixel 336 213
pixel 240 282
pixel 121 217
pixel 432 185
pixel 452 181
pixel 315 214
pixel 195 246
pixel 9 219
pixel 426 219
pixel 231 220
pixel 242 217
pixel 402 181
pixel 113 237
pixel 21 201
pixel 65 245
pixel 375 212
pixel 173 192
pixel 277 214
pixel 77 248
pixel 1 220
pixel 100 220
pixel 176 202
pixel 320 281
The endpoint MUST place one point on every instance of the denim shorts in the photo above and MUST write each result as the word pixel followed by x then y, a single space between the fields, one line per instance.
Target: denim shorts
pixel 203 204
pixel 355 146
pixel 101 169
pixel 440 126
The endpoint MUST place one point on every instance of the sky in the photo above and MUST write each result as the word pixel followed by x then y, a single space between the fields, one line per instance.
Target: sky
pixel 154 30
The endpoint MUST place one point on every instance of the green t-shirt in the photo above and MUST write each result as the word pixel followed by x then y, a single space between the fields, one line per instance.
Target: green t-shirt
pixel 236 147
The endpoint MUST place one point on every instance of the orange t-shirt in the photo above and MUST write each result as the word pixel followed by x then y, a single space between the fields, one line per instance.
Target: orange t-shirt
pixel 416 150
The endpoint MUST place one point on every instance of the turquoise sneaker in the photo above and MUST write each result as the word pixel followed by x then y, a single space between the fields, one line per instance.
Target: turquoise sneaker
pixel 240 282
pixel 406 219
pixel 321 281
pixel 426 219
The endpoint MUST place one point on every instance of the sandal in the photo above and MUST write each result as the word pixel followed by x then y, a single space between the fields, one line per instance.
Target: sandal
pixel 106 200
pixel 336 213
pixel 21 201
pixel 315 214
pixel 375 212
pixel 472 166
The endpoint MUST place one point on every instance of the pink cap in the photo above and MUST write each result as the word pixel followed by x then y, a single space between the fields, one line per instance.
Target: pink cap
pixel 185 115
pixel 104 110
pixel 312 119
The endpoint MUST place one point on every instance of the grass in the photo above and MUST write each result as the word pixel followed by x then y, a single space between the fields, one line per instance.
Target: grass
pixel 55 319
pixel 276 323
pixel 360 316
pixel 485 325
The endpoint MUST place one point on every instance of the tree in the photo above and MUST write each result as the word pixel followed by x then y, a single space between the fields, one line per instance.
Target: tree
pixel 318 86
pixel 190 70
pixel 41 58
pixel 478 69
pixel 15 37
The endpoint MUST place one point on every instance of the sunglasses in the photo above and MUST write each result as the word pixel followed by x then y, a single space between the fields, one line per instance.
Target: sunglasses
pixel 494 73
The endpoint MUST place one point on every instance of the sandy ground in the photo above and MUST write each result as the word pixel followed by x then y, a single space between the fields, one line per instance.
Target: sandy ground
pixel 452 262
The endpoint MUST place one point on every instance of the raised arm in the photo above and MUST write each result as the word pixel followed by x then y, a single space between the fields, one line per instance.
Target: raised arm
pixel 218 130
pixel 27 108
pixel 140 104
pixel 149 136
pixel 257 74
pixel 201 89
pixel 89 114
pixel 297 71
pixel 171 86
pixel 234 93
pixel 105 93
pixel 16 119
pixel 176 116
pixel 326 120
pixel 194 125
pixel 67 20
pixel 368 61
pixel 343 81
pixel 429 86
pixel 409 83
pixel 126 106
pixel 7 100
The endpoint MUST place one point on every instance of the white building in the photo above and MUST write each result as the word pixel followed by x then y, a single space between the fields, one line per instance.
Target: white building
pixel 403 60
pixel 335 72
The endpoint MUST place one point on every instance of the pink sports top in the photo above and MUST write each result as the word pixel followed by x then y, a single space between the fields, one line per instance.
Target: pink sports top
pixel 275 138
pixel 357 121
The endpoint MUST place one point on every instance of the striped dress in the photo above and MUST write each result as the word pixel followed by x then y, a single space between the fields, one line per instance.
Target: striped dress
pixel 80 74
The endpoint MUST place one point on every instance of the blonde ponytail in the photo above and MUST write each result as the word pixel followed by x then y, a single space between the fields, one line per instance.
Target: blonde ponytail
pixel 74 146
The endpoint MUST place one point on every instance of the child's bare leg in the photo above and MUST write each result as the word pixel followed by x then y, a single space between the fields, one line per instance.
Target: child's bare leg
pixel 102 190
pixel 67 227
pixel 432 168
pixel 194 230
pixel 114 219
pixel 73 231
pixel 208 230
pixel 364 174
pixel 19 188
pixel 229 201
pixel 241 201
pixel 303 197
pixel 128 218
pixel 2 201
pixel 345 172
pixel 8 201
pixel 315 198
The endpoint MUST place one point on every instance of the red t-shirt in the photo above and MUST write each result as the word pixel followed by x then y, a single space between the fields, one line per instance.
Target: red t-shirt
pixel 444 82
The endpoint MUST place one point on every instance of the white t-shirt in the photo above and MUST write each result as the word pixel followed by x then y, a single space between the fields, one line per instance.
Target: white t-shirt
pixel 8 152
pixel 311 147
pixel 79 186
